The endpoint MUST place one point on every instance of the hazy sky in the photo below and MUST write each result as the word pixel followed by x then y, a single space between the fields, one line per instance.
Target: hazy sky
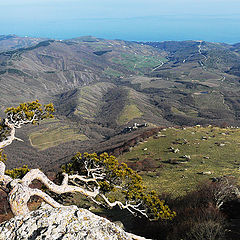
pixel 212 20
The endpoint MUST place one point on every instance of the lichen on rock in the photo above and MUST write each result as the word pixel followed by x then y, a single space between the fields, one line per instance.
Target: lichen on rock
pixel 61 223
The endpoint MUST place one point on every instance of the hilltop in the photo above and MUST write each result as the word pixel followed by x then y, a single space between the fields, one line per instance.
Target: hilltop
pixel 11 42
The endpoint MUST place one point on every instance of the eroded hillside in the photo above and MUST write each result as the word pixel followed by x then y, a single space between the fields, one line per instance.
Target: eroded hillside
pixel 99 87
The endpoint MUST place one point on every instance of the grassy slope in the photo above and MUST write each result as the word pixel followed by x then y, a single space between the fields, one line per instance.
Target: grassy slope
pixel 182 177
pixel 138 108
pixel 138 62
pixel 45 70
pixel 53 134
pixel 129 113
pixel 90 99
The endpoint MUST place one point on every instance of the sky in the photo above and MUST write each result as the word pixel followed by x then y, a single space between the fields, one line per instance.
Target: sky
pixel 139 20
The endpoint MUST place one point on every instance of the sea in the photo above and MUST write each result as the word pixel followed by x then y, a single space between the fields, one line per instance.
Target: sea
pixel 148 28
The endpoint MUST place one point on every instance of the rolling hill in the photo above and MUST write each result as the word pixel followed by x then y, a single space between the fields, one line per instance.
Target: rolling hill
pixel 100 86
pixel 11 42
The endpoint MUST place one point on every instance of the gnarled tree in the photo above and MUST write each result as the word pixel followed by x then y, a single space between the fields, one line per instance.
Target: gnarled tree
pixel 96 177
pixel 25 113
pixel 115 181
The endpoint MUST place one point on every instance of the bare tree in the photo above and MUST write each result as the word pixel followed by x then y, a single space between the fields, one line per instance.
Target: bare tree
pixel 225 189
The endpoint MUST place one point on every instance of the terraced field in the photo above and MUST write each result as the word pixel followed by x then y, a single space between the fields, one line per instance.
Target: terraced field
pixel 54 134
pixel 177 160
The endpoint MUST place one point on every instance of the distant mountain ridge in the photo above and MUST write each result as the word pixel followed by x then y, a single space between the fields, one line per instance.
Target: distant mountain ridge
pixel 52 67
pixel 11 42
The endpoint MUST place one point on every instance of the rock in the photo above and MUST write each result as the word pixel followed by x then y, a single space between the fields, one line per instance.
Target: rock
pixel 187 157
pixel 220 144
pixel 176 150
pixel 205 173
pixel 171 149
pixel 61 223
pixel 161 135
pixel 120 224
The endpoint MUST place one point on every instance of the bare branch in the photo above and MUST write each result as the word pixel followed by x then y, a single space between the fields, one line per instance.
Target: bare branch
pixel 8 139
pixel 225 190
pixel 84 179
pixel 25 113
pixel 111 176
pixel 2 168
pixel 133 208
pixel 4 179
pixel 59 189
pixel 18 139
pixel 21 192
pixel 45 197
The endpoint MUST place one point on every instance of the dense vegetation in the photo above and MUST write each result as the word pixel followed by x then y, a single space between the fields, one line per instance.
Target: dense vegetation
pixel 198 217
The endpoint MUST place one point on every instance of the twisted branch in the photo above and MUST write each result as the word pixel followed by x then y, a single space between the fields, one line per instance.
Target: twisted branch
pixel 20 192
pixel 8 139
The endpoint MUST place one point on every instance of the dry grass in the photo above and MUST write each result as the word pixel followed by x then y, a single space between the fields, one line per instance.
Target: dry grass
pixel 211 149
pixel 54 135
pixel 129 112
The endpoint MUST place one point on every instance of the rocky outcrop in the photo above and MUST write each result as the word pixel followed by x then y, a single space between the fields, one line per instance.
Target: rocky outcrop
pixel 61 223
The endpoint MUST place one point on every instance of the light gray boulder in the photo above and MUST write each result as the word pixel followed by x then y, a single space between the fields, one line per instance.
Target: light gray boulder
pixel 61 223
